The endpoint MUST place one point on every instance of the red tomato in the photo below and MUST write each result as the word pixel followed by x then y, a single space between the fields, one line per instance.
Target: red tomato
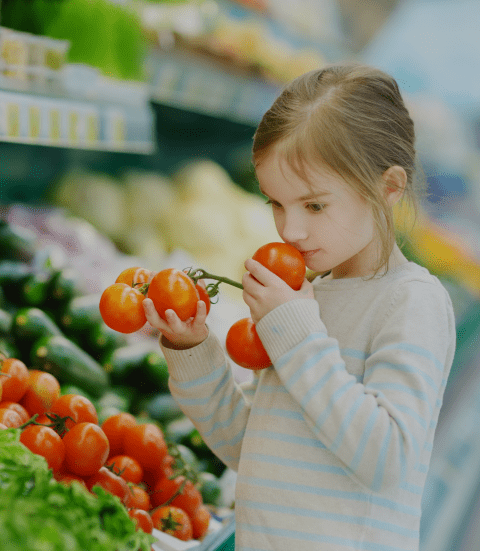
pixel 68 478
pixel 173 521
pixel 189 499
pixel 200 522
pixel 134 276
pixel 165 489
pixel 146 444
pixel 121 308
pixel 2 426
pixel 142 520
pixel 10 418
pixel 138 498
pixel 86 449
pixel 14 382
pixel 245 347
pixel 115 427
pixel 44 441
pixel 110 482
pixel 203 295
pixel 79 408
pixel 126 467
pixel 283 260
pixel 43 389
pixel 173 289
pixel 24 415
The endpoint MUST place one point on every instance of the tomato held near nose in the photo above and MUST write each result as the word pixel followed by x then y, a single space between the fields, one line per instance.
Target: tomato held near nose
pixel 173 289
pixel 245 347
pixel 285 261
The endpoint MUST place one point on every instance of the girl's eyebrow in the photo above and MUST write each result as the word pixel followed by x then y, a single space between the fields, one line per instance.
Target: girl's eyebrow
pixel 308 197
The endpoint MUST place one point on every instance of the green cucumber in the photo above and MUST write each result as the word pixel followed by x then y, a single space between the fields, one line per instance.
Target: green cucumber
pixel 29 324
pixel 66 284
pixel 101 339
pixel 34 289
pixel 81 313
pixel 13 273
pixel 9 349
pixel 161 407
pixel 69 363
pixel 17 242
pixel 6 322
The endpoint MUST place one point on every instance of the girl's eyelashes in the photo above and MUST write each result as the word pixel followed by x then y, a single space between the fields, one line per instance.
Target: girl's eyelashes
pixel 316 207
pixel 273 203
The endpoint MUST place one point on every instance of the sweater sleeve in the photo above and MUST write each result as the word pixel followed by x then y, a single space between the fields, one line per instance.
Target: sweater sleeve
pixel 202 383
pixel 376 427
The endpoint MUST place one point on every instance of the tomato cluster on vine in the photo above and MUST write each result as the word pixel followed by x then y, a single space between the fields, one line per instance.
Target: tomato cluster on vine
pixel 127 458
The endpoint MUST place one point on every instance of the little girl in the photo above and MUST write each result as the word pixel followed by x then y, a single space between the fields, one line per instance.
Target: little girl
pixel 331 443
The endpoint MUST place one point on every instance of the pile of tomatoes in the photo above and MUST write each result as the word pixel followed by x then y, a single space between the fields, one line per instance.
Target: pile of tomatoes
pixel 125 457
pixel 122 310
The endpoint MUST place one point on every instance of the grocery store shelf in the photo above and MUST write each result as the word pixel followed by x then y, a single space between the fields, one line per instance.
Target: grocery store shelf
pixel 194 83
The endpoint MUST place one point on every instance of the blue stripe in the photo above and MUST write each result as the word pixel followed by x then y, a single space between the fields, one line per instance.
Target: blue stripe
pixel 346 423
pixel 294 463
pixel 409 411
pixel 307 365
pixel 406 431
pixel 363 442
pixel 224 424
pixel 210 377
pixel 225 401
pixel 288 438
pixel 354 353
pixel 283 485
pixel 405 368
pixel 320 383
pixel 382 459
pixel 414 349
pixel 232 442
pixel 295 534
pixel 288 355
pixel 335 396
pixel 335 517
pixel 276 412
pixel 272 388
pixel 402 388
pixel 412 488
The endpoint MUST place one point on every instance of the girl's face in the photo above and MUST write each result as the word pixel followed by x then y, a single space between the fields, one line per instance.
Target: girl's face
pixel 327 221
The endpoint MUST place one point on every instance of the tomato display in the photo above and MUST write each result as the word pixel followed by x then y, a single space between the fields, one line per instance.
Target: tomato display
pixel 10 418
pixel 245 347
pixel 86 449
pixel 46 442
pixel 14 381
pixel 126 467
pixel 24 415
pixel 173 521
pixel 43 389
pixel 173 289
pixel 142 520
pixel 200 522
pixel 284 260
pixel 189 499
pixel 134 276
pixel 138 498
pixel 121 308
pixel 115 428
pixel 165 489
pixel 145 443
pixel 75 406
pixel 110 482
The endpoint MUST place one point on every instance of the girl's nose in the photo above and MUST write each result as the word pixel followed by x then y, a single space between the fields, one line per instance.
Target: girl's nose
pixel 293 228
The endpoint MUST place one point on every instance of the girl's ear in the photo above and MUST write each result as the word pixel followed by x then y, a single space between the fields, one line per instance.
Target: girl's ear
pixel 395 179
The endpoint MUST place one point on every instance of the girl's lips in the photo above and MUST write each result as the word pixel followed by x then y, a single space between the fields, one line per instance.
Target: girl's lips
pixel 307 254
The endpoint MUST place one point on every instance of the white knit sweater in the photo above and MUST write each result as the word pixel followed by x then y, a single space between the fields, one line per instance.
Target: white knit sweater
pixel 332 443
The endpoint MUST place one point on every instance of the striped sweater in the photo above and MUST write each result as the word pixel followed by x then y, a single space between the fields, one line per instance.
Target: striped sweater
pixel 331 443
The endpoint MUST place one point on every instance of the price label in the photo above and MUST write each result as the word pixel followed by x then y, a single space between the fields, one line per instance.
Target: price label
pixel 73 127
pixel 34 122
pixel 91 132
pixel 55 132
pixel 13 120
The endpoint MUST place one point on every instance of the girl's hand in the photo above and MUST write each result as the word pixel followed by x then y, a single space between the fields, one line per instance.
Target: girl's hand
pixel 263 290
pixel 180 334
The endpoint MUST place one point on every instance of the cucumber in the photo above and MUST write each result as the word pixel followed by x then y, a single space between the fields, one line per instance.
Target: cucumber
pixel 161 407
pixel 81 313
pixel 12 273
pixel 29 324
pixel 6 322
pixel 141 365
pixel 101 339
pixel 9 349
pixel 34 289
pixel 66 284
pixel 69 363
pixel 17 242
pixel 210 488
pixel 120 397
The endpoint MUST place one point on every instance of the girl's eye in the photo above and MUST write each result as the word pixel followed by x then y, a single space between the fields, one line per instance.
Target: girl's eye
pixel 273 203
pixel 316 207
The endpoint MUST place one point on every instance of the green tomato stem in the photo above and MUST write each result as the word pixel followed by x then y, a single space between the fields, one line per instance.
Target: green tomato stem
pixel 197 274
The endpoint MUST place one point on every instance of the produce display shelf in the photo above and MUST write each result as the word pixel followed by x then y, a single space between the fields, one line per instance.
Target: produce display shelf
pixel 34 116
pixel 195 83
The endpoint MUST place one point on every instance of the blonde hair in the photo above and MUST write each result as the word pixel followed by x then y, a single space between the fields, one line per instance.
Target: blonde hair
pixel 350 118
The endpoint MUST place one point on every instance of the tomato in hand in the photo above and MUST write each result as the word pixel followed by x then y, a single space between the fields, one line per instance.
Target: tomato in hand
pixel 110 482
pixel 46 442
pixel 142 519
pixel 14 381
pixel 200 522
pixel 115 428
pixel 121 308
pixel 126 467
pixel 86 449
pixel 173 521
pixel 283 260
pixel 43 389
pixel 245 347
pixel 203 295
pixel 134 276
pixel 173 289
pixel 76 406
pixel 145 443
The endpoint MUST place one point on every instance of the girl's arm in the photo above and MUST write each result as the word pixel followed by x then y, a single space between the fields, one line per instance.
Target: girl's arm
pixel 377 427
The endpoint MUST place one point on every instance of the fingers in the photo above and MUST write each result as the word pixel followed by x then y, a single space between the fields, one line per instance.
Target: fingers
pixel 153 316
pixel 260 273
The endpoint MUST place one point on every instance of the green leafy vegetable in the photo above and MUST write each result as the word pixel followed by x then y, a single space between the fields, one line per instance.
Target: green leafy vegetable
pixel 40 514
